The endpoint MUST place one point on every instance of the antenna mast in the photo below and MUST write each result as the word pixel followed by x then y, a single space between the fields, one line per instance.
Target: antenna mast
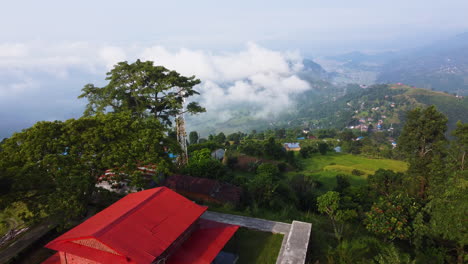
pixel 181 134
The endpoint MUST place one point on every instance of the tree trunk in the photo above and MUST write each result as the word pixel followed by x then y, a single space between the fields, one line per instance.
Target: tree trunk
pixel 461 254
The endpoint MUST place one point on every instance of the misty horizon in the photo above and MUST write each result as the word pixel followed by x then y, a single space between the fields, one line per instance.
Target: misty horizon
pixel 244 53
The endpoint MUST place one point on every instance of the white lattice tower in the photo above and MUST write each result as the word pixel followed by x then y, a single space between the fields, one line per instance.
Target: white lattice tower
pixel 181 135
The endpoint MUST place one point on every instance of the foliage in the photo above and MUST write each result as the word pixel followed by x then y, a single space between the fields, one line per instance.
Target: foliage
pixel 391 255
pixel 202 145
pixel 202 165
pixel 265 183
pixel 459 148
pixel 53 166
pixel 392 217
pixel 220 138
pixel 269 148
pixel 342 183
pixel 328 203
pixel 193 137
pixel 144 90
pixel 308 150
pixel 305 188
pixel 386 182
pixel 323 148
pixel 422 141
pixel 357 172
pixel 447 215
pixel 200 155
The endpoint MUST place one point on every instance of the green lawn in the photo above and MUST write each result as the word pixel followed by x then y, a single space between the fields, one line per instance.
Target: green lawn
pixel 255 246
pixel 324 168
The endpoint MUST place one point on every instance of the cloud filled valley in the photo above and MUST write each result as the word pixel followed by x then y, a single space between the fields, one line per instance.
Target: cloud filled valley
pixel 41 81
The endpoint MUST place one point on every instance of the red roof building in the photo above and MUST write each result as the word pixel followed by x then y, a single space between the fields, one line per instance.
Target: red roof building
pixel 152 226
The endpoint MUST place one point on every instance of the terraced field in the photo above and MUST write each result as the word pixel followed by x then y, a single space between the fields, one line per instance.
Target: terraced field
pixel 324 168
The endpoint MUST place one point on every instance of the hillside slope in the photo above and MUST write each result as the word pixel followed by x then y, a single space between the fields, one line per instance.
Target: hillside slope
pixel 442 66
pixel 383 107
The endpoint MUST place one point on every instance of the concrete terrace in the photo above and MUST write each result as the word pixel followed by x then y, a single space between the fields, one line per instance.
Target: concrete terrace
pixel 296 235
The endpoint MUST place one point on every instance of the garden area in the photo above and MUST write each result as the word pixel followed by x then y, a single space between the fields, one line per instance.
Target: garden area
pixel 324 168
pixel 255 246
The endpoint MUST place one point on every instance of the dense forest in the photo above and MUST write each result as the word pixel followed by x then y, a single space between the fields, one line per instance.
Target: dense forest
pixel 403 204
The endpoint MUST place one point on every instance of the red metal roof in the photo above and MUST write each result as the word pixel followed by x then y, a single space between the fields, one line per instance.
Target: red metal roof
pixel 54 259
pixel 204 244
pixel 135 229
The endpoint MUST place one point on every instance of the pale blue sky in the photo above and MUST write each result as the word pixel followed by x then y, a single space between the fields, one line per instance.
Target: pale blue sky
pixel 312 26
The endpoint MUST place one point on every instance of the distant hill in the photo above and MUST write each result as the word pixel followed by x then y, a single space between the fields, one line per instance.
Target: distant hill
pixel 383 106
pixel 442 66
pixel 357 57
pixel 388 103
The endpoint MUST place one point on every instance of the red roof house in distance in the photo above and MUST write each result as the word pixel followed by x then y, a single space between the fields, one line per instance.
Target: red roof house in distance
pixel 204 189
pixel 152 226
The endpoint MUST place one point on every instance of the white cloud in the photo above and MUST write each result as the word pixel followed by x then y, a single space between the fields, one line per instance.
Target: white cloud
pixel 255 76
pixel 13 50
pixel 9 90
pixel 112 55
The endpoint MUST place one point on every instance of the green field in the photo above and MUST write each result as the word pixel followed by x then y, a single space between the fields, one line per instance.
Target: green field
pixel 324 168
pixel 255 246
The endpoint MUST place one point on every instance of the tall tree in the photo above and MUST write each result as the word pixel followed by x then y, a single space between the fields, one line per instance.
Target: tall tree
pixel 53 166
pixel 459 148
pixel 193 137
pixel 448 213
pixel 143 89
pixel 423 141
pixel 329 203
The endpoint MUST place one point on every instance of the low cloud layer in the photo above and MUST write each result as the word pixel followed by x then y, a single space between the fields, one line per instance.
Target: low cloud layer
pixel 39 81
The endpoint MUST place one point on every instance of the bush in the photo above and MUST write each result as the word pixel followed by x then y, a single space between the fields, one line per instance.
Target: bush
pixel 357 172
pixel 207 168
pixel 282 166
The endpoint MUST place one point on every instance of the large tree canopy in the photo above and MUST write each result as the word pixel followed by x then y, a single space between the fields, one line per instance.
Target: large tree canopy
pixel 423 143
pixel 143 89
pixel 53 166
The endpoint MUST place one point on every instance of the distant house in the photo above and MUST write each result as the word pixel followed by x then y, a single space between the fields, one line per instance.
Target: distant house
pixel 306 131
pixel 292 146
pixel 338 149
pixel 116 181
pixel 204 189
pixel 151 226
pixel 300 138
pixel 359 138
pixel 218 154
pixel 311 137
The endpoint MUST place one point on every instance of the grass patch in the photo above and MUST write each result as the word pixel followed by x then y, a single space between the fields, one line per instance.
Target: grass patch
pixel 255 246
pixel 324 168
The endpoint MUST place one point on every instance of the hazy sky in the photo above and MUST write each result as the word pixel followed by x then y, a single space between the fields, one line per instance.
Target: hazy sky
pixel 313 26
pixel 49 49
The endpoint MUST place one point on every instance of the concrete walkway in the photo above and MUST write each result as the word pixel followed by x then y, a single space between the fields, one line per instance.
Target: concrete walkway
pixel 296 235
